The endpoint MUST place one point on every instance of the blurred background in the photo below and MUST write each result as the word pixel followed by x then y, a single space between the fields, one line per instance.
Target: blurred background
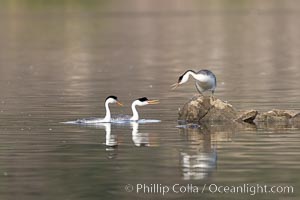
pixel 59 60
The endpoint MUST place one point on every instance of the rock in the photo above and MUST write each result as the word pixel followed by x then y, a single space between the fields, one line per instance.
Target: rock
pixel 296 118
pixel 275 116
pixel 204 109
pixel 247 116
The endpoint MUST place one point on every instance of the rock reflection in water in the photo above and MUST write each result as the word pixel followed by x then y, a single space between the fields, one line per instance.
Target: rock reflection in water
pixel 200 161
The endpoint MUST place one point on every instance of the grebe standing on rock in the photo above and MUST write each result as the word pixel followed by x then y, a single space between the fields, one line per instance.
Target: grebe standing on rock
pixel 205 80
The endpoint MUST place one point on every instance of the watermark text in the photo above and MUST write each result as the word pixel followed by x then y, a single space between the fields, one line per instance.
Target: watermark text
pixel 249 189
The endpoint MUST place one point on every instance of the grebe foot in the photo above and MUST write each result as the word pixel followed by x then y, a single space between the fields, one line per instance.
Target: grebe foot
pixel 213 97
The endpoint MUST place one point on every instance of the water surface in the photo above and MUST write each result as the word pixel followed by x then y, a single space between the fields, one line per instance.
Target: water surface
pixel 60 60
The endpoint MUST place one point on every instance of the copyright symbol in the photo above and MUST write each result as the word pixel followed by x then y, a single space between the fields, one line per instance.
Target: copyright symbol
pixel 129 188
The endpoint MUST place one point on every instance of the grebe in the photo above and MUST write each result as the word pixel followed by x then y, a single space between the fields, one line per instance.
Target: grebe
pixel 205 80
pixel 106 119
pixel 140 102
pixel 135 115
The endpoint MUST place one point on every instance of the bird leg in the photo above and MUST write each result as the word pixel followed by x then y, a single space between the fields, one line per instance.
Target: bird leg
pixel 198 89
pixel 212 95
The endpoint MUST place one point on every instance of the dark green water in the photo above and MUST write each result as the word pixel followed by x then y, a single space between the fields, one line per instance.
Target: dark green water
pixel 59 60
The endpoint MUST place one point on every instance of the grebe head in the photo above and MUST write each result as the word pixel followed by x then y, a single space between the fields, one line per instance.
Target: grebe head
pixel 145 101
pixel 113 99
pixel 182 79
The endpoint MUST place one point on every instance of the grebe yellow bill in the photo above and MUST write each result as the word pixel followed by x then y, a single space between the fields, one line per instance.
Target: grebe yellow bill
pixel 205 80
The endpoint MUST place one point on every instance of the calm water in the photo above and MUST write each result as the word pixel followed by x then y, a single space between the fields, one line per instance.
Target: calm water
pixel 59 61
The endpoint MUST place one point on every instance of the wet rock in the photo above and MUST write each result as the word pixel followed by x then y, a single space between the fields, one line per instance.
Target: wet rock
pixel 275 116
pixel 203 109
pixel 296 118
pixel 247 116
